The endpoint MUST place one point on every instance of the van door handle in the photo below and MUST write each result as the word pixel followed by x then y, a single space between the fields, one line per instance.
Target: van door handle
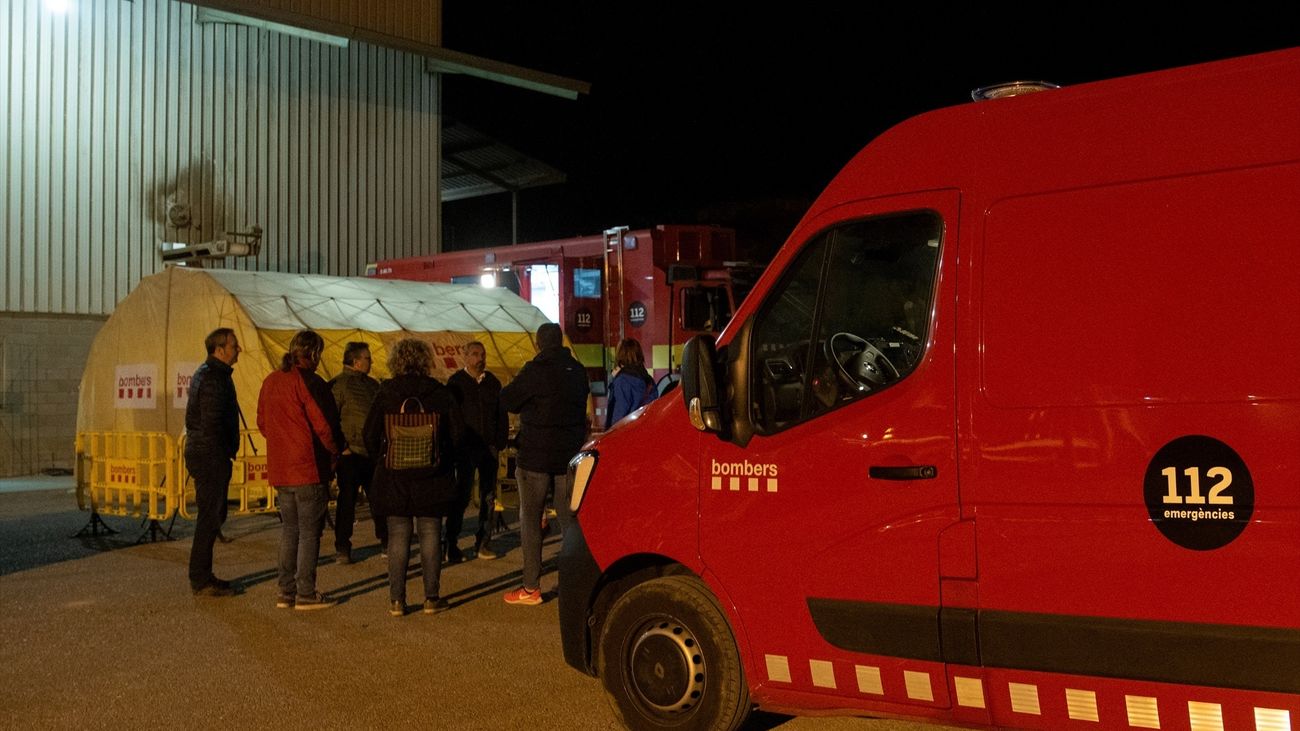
pixel 914 472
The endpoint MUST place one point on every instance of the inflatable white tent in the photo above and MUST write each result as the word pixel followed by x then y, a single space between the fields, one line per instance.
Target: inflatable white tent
pixel 137 375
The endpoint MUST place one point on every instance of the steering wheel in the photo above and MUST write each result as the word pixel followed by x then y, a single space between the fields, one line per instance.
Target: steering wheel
pixel 862 365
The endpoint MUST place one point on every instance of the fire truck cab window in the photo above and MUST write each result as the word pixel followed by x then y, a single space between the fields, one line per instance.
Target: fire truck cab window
pixel 705 309
pixel 850 318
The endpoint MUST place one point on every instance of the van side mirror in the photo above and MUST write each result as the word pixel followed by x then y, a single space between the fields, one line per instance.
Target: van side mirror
pixel 700 383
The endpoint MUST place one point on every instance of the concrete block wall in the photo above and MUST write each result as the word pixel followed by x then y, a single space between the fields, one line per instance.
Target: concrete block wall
pixel 41 360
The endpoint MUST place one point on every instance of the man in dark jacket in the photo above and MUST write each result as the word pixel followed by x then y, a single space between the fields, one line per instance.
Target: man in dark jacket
pixel 354 391
pixel 550 395
pixel 479 394
pixel 211 442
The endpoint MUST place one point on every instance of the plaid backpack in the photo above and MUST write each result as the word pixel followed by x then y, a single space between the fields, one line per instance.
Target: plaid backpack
pixel 412 437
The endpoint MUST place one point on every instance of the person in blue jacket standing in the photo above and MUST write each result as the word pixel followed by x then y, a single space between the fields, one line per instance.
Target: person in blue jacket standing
pixel 632 387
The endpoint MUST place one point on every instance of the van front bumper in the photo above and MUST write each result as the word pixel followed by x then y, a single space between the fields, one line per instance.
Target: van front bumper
pixel 579 576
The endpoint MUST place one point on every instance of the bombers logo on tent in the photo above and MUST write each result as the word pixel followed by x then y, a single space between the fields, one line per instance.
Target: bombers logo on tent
pixel 180 380
pixel 449 355
pixel 136 386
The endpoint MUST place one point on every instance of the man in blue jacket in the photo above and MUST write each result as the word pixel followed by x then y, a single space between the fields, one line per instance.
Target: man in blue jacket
pixel 211 442
pixel 550 395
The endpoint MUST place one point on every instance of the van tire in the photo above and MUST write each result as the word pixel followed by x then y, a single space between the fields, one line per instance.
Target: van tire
pixel 668 659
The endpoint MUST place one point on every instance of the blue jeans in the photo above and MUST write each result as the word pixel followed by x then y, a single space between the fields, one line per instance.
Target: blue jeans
pixel 399 555
pixel 533 487
pixel 302 517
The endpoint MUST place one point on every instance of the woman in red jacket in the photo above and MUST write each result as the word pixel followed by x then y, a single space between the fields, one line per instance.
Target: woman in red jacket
pixel 297 415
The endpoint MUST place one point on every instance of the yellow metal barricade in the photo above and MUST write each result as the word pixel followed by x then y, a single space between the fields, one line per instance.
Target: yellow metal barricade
pixel 507 495
pixel 127 473
pixel 249 485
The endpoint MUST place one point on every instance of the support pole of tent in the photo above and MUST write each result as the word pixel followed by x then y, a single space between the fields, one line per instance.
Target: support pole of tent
pixel 248 433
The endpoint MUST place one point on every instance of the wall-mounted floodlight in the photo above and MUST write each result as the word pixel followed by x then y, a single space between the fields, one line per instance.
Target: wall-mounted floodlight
pixel 244 244
pixel 488 280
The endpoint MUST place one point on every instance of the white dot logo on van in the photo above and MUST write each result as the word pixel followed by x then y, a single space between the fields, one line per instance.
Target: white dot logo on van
pixel 1199 493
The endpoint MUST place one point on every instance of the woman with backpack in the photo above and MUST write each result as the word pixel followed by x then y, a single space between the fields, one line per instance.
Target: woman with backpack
pixel 412 433
pixel 632 387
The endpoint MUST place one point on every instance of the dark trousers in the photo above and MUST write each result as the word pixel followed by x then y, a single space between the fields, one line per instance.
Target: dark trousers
pixel 484 465
pixel 354 474
pixel 211 484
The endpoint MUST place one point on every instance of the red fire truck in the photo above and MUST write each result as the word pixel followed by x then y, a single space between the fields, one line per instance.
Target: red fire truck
pixel 1008 434
pixel 660 285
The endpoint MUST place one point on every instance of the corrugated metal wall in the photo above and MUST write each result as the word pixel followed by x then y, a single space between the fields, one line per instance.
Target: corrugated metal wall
pixel 126 124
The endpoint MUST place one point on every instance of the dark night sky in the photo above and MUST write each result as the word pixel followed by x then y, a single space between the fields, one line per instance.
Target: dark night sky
pixel 700 113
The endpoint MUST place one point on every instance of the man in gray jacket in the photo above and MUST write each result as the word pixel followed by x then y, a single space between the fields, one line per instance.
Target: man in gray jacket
pixel 354 391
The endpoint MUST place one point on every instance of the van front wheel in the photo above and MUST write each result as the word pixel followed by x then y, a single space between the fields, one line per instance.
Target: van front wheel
pixel 668 659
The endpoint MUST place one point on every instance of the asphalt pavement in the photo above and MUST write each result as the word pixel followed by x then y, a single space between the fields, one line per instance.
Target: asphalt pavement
pixel 101 631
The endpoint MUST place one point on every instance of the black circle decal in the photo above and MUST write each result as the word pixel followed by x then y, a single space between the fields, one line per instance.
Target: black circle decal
pixel 636 314
pixel 1199 493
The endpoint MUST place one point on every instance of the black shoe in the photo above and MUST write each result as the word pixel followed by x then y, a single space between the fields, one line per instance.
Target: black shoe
pixel 396 609
pixel 436 604
pixel 484 551
pixel 454 554
pixel 315 601
pixel 343 556
pixel 213 589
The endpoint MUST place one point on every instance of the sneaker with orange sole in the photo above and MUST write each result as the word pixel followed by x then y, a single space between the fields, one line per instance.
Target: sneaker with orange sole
pixel 527 597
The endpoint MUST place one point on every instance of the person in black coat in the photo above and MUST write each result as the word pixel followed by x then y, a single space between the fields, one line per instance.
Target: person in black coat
pixel 550 395
pixel 424 494
pixel 211 442
pixel 479 394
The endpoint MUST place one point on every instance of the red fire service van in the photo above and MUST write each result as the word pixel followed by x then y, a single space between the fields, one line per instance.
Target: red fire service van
pixel 1008 434
pixel 661 285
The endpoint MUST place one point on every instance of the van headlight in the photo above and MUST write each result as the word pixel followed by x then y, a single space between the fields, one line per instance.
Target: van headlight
pixel 581 468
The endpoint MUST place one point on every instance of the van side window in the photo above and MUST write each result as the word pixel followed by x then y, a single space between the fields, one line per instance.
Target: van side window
pixel 851 317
